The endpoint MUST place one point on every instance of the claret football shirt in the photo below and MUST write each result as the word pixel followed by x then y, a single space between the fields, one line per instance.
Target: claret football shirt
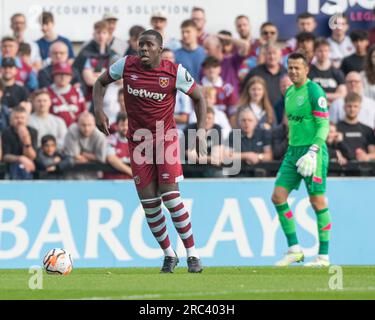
pixel 150 94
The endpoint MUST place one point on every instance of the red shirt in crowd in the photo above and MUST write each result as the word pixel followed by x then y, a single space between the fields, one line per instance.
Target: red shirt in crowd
pixel 118 146
pixel 67 103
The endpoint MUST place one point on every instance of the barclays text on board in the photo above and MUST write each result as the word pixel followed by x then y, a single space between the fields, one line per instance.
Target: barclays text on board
pixel 103 225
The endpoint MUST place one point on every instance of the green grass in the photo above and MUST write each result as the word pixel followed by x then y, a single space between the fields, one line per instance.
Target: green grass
pixel 213 283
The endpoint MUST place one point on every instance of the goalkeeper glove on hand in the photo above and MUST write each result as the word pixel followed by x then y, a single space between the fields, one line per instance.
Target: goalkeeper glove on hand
pixel 306 165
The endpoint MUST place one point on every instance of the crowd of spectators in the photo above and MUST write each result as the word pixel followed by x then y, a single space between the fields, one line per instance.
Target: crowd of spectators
pixel 46 122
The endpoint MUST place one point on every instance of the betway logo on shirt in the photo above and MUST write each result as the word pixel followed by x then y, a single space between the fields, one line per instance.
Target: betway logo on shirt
pixel 143 93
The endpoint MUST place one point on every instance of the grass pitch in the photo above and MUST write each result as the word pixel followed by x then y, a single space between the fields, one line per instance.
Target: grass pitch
pixel 214 283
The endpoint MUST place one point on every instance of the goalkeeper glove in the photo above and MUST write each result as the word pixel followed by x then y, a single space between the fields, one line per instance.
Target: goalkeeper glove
pixel 306 165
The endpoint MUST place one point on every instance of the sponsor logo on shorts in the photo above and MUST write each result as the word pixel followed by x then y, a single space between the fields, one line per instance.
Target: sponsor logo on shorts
pixel 165 176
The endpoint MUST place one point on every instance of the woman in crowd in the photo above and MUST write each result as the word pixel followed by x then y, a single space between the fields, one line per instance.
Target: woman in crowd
pixel 255 96
pixel 368 75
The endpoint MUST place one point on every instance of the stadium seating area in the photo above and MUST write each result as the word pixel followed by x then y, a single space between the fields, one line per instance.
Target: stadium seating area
pixel 48 130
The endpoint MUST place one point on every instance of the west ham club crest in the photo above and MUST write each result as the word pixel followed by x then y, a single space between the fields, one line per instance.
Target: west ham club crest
pixel 163 82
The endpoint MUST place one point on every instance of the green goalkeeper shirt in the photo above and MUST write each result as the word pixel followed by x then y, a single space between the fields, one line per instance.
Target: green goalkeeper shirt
pixel 307 111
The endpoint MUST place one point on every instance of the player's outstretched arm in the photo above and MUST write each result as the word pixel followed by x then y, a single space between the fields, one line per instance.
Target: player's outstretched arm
pixel 98 94
pixel 200 110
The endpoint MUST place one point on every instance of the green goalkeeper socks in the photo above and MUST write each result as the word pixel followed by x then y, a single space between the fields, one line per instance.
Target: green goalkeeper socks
pixel 287 223
pixel 324 229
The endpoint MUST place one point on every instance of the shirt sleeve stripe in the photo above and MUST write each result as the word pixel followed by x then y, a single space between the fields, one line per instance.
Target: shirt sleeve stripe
pixel 191 88
pixel 321 114
pixel 116 70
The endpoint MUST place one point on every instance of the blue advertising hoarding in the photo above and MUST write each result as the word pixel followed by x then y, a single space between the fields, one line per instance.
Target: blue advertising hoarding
pixel 102 224
pixel 283 13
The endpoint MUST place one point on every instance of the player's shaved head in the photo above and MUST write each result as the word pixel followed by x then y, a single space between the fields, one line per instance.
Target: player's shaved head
pixel 154 33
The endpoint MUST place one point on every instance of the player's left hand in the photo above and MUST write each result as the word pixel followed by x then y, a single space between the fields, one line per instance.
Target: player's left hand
pixel 306 165
pixel 102 122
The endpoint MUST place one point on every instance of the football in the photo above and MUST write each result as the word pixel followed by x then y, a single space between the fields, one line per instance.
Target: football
pixel 58 262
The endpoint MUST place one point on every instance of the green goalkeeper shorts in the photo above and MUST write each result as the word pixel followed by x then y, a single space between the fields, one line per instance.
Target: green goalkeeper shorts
pixel 288 177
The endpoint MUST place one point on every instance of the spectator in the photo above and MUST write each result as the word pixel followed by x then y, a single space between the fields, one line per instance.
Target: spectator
pixel 121 100
pixel 230 65
pixel 14 94
pixel 243 28
pixel 372 32
pixel 332 80
pixel 25 74
pixel 184 105
pixel 268 33
pixel 85 144
pixel 367 111
pixel 67 101
pixel 96 49
pixel 51 163
pixel 117 45
pixel 221 119
pixel 257 55
pixel 306 22
pixel 191 55
pixel 4 110
pixel 359 139
pixel 19 144
pixel 24 53
pixel 43 121
pixel 97 56
pixel 271 71
pixel 214 141
pixel 279 107
pixel 18 26
pixel 159 23
pixel 255 142
pixel 279 139
pixel 118 155
pixel 50 36
pixel 368 75
pixel 306 45
pixel 58 53
pixel 341 45
pixel 356 61
pixel 226 98
pixel 228 48
pixel 134 34
pixel 335 145
pixel 111 103
pixel 255 97
pixel 198 15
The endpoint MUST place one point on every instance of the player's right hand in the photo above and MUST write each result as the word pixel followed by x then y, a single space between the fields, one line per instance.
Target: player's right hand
pixel 102 122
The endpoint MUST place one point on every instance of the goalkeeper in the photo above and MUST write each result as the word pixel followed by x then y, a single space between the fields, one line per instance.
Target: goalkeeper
pixel 306 158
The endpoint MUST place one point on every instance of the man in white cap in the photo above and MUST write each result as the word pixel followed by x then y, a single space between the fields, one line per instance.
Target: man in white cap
pixel 116 44
pixel 159 24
